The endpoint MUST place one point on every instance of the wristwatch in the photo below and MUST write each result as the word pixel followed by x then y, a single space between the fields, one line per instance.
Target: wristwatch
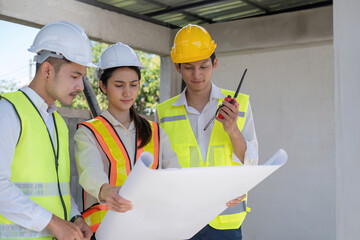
pixel 75 217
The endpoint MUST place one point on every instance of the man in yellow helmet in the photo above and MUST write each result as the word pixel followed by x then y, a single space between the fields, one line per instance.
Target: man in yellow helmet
pixel 228 141
pixel 35 200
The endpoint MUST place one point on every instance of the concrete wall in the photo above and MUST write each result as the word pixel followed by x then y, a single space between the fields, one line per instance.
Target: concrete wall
pixel 292 98
pixel 290 81
pixel 347 118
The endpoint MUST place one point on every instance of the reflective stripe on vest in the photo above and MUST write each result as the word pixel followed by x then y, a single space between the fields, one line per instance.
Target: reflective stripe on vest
pixel 43 189
pixel 120 165
pixel 183 117
pixel 13 231
pixel 175 122
pixel 173 118
pixel 94 215
pixel 33 168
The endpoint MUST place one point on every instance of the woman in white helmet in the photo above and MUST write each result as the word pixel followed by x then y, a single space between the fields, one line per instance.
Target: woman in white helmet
pixel 107 147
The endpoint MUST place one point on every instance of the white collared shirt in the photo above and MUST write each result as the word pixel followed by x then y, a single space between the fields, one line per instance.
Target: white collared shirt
pixel 14 205
pixel 199 120
pixel 90 157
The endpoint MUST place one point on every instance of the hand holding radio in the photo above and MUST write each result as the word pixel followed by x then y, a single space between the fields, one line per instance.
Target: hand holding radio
pixel 228 99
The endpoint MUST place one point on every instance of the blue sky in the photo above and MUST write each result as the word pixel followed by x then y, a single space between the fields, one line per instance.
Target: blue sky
pixel 14 41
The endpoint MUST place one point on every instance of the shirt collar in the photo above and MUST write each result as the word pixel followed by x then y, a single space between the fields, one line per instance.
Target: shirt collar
pixel 115 122
pixel 181 99
pixel 39 103
pixel 215 94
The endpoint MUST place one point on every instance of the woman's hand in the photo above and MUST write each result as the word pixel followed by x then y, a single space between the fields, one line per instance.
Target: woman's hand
pixel 110 195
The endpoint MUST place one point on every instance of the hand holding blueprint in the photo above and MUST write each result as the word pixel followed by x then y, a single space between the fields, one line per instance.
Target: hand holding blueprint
pixel 177 203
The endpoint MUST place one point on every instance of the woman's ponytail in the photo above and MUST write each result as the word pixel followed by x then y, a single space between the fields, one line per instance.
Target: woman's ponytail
pixel 143 127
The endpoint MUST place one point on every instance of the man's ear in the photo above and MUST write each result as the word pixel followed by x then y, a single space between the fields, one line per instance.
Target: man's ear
pixel 215 63
pixel 177 66
pixel 47 70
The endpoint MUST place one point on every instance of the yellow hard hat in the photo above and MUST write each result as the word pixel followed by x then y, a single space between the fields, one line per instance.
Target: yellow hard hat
pixel 192 43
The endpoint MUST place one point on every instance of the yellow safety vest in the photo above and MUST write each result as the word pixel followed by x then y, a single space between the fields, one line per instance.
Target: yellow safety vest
pixel 119 161
pixel 34 169
pixel 174 120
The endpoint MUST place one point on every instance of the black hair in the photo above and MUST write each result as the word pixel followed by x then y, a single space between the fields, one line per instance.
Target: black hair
pixel 143 127
pixel 55 62
pixel 212 57
pixel 107 73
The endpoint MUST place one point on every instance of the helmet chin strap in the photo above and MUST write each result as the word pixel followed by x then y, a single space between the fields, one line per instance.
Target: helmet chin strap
pixel 44 54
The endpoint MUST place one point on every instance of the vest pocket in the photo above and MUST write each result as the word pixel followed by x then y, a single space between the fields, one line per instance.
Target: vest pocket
pixel 188 155
pixel 183 153
pixel 219 156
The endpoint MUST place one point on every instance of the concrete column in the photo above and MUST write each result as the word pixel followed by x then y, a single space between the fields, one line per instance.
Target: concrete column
pixel 170 79
pixel 165 78
pixel 347 118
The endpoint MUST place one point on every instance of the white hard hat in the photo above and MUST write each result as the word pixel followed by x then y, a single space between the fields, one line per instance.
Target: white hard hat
pixel 63 39
pixel 119 55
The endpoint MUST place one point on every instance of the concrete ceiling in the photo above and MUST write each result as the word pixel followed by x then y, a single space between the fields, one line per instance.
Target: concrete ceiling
pixel 178 13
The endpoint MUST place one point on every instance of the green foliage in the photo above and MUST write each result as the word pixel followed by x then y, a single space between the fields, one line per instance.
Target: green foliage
pixel 80 101
pixel 148 96
pixel 7 85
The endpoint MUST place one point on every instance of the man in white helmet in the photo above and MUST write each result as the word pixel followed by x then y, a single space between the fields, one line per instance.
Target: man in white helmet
pixel 35 199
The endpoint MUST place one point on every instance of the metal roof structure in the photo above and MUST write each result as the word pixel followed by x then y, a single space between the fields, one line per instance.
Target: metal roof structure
pixel 178 13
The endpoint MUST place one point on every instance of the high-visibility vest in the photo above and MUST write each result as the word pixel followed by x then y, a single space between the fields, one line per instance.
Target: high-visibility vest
pixel 34 169
pixel 119 160
pixel 175 122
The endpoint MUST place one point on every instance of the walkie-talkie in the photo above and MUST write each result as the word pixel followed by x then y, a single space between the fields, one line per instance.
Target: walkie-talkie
pixel 229 100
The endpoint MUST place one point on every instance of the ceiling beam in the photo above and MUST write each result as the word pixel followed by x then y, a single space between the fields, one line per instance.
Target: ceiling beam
pixel 181 7
pixel 126 12
pixel 157 3
pixel 256 5
pixel 167 7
